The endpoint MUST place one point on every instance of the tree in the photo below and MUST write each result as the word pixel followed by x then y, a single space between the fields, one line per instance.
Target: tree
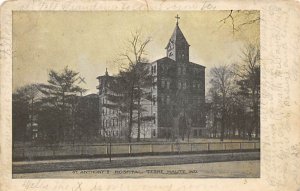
pixel 239 19
pixel 23 105
pixel 60 92
pixel 249 83
pixel 132 81
pixel 223 86
pixel 86 114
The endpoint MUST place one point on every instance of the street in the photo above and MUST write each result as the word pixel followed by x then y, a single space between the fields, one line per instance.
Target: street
pixel 231 169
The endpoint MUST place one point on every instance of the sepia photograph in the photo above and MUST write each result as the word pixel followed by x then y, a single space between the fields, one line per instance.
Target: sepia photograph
pixel 136 94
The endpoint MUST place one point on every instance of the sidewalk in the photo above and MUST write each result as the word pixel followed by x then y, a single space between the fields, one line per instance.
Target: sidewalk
pixel 120 162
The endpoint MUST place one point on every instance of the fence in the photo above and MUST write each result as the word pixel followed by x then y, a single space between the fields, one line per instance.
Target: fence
pixel 128 149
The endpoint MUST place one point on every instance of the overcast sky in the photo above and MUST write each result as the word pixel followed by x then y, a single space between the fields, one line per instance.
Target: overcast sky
pixel 88 41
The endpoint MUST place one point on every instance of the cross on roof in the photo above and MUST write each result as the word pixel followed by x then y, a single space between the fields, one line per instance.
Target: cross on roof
pixel 177 18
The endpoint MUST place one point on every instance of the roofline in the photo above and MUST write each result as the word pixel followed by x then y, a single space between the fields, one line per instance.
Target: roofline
pixel 198 64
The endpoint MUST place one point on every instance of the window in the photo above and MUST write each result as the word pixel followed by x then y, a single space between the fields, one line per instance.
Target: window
pixel 168 99
pixel 154 69
pixel 200 132
pixel 199 100
pixel 168 85
pixel 183 71
pixel 162 84
pixel 154 119
pixel 179 70
pixel 179 85
pixel 184 85
pixel 195 132
pixel 162 99
pixel 154 100
pixel 153 132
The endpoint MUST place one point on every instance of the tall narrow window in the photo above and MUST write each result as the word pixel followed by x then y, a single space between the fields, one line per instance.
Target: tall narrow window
pixel 162 99
pixel 153 132
pixel 162 84
pixel 168 85
pixel 154 100
pixel 179 70
pixel 179 85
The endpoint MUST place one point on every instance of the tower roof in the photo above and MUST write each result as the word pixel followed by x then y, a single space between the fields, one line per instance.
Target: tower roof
pixel 177 37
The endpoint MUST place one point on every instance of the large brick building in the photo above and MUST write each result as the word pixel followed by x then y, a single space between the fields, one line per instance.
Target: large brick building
pixel 178 95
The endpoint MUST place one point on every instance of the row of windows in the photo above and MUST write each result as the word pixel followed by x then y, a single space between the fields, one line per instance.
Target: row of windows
pixel 180 85
pixel 116 133
pixel 183 71
pixel 116 122
pixel 165 84
pixel 112 133
pixel 112 123
pixel 108 111
pixel 165 99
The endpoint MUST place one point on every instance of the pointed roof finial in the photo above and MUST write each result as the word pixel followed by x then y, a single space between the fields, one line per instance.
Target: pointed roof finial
pixel 106 73
pixel 177 18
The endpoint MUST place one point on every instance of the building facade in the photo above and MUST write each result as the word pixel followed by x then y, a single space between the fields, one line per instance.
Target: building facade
pixel 177 107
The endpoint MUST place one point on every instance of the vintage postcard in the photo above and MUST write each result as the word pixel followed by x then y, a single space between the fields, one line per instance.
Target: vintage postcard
pixel 153 95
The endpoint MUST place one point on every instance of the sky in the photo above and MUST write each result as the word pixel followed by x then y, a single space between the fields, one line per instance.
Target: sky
pixel 89 42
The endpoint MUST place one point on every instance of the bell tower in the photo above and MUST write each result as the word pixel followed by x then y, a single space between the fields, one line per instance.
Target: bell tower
pixel 177 47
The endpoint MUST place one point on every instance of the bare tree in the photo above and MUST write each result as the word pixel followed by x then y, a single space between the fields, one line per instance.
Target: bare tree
pixel 223 85
pixel 239 19
pixel 249 73
pixel 135 74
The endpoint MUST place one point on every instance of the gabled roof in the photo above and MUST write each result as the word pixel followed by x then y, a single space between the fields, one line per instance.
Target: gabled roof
pixel 177 36
pixel 165 59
